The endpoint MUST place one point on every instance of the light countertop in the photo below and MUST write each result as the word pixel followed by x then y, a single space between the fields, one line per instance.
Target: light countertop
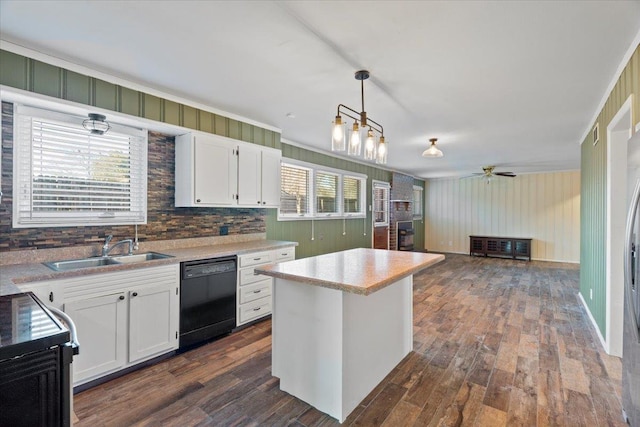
pixel 360 271
pixel 11 275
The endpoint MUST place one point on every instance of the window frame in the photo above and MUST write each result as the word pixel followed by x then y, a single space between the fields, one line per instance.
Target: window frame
pixel 25 216
pixel 386 187
pixel 313 213
pixel 420 190
pixel 310 193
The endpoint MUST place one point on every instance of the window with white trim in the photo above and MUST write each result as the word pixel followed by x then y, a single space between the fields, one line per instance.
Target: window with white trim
pixel 65 176
pixel 327 202
pixel 381 192
pixel 417 202
pixel 312 191
pixel 353 190
pixel 295 189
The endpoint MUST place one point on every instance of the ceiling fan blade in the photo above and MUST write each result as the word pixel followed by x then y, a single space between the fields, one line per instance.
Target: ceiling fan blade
pixel 474 175
pixel 507 174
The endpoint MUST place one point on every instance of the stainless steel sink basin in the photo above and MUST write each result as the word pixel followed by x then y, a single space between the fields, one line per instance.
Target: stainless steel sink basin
pixel 148 256
pixel 74 264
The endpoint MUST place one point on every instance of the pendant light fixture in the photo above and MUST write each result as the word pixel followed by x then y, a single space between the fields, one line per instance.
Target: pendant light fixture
pixel 374 150
pixel 96 124
pixel 432 151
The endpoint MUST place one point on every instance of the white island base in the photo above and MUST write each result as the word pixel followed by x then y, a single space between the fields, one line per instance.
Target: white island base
pixel 331 347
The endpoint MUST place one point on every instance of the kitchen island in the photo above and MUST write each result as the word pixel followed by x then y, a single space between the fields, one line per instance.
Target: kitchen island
pixel 341 323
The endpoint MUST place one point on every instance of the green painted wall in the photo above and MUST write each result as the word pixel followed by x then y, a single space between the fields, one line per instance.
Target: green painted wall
pixel 29 74
pixel 593 193
pixel 328 233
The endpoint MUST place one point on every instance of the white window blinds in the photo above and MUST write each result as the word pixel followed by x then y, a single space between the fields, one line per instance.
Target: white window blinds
pixel 66 176
pixel 353 189
pixel 326 193
pixel 295 190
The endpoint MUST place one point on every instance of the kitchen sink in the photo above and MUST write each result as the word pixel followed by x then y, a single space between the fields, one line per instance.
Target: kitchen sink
pixel 148 256
pixel 75 264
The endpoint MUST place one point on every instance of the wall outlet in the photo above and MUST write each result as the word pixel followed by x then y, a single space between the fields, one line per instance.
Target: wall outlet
pixel 224 230
pixel 450 243
pixel 590 293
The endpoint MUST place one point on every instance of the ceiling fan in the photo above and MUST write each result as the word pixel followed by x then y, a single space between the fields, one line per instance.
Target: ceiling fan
pixel 488 173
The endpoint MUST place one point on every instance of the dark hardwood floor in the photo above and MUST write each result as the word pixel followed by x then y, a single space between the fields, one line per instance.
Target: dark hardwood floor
pixel 496 342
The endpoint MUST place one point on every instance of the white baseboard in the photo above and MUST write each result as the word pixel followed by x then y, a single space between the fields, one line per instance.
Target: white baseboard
pixel 604 343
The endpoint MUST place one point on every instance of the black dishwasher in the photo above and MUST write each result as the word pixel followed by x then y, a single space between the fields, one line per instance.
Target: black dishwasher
pixel 207 299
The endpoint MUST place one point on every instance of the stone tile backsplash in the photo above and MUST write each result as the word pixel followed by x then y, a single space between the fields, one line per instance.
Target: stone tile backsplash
pixel 164 220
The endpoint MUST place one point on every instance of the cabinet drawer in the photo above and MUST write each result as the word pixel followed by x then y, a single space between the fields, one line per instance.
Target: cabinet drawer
pixel 286 254
pixel 255 309
pixel 247 276
pixel 257 258
pixel 255 291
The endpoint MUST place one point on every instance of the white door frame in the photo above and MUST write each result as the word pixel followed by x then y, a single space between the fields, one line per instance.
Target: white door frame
pixel 619 130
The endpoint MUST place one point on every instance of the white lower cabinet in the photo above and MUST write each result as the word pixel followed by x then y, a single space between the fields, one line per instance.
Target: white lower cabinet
pixel 122 317
pixel 255 290
pixel 153 321
pixel 101 323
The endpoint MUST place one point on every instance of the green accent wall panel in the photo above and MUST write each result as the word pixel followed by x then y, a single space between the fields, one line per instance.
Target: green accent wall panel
pixel 189 117
pixel 46 79
pixel 77 87
pixel 14 71
pixel 130 101
pixel 234 129
pixel 106 95
pixel 593 160
pixel 327 234
pixel 221 125
pixel 152 107
pixel 246 132
pixel 205 121
pixel 171 112
pixel 258 137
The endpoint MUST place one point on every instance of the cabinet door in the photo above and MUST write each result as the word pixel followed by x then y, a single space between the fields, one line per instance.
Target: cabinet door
pixel 249 165
pixel 152 326
pixel 271 178
pixel 215 172
pixel 102 334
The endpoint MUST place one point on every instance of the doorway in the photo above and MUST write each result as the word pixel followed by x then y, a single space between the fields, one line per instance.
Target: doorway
pixel 619 131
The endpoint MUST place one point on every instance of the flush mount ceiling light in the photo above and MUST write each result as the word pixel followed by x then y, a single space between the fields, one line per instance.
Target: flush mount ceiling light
pixel 96 124
pixel 432 151
pixel 373 150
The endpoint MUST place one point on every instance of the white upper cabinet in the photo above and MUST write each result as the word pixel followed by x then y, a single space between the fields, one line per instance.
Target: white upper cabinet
pixel 258 176
pixel 216 171
pixel 206 171
pixel 271 178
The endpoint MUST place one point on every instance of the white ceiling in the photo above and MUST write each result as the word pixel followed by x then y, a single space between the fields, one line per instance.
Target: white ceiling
pixel 510 83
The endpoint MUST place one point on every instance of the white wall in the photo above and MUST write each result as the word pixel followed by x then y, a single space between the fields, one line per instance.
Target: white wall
pixel 544 206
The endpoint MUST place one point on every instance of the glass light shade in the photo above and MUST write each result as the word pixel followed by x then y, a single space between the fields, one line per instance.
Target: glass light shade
pixel 338 136
pixel 432 151
pixel 381 152
pixel 370 146
pixel 355 145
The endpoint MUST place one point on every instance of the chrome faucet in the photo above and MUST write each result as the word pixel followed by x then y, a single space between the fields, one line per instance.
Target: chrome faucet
pixel 106 249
